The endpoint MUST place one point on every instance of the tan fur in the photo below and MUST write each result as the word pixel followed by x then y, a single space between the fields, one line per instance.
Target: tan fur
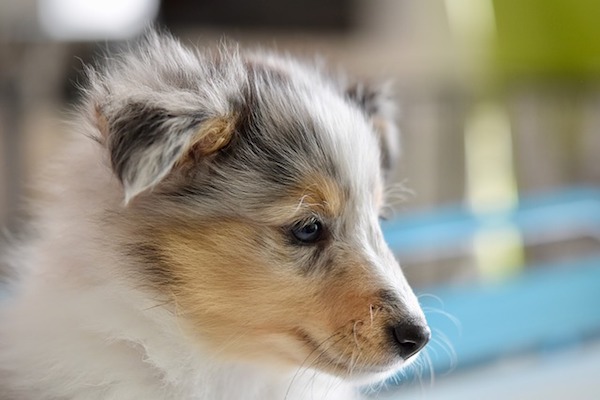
pixel 255 270
pixel 214 134
pixel 225 282
pixel 101 121
pixel 238 292
pixel 321 194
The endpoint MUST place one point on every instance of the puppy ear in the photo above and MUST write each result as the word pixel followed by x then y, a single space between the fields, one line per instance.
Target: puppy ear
pixel 379 107
pixel 146 142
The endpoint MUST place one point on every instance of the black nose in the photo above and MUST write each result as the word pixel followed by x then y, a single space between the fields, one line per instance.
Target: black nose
pixel 410 337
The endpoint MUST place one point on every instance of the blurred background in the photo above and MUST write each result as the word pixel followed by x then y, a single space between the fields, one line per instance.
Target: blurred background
pixel 497 212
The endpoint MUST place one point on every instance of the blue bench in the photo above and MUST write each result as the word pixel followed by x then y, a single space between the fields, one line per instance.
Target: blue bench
pixel 540 308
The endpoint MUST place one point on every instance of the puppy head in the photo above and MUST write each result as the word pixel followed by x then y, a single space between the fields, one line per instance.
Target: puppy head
pixel 253 188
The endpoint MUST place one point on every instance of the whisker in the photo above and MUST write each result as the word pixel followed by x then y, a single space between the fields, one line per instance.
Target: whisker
pixel 430 368
pixel 447 348
pixel 354 333
pixel 455 321
pixel 303 367
pixel 159 304
pixel 343 355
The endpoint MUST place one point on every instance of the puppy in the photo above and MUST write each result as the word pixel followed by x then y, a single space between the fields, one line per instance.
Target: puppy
pixel 212 233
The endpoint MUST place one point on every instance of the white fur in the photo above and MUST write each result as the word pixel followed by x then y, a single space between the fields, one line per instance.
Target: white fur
pixel 76 331
pixel 75 328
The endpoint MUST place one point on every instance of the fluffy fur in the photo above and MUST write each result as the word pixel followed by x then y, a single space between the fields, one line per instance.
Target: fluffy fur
pixel 167 262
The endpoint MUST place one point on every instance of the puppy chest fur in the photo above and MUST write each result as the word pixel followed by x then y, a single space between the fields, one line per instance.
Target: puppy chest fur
pixel 216 220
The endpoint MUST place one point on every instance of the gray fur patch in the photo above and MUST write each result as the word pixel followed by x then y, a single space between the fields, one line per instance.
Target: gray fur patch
pixel 145 142
pixel 377 104
pixel 292 122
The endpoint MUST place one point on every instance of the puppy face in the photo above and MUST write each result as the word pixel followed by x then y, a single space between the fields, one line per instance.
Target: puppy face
pixel 253 189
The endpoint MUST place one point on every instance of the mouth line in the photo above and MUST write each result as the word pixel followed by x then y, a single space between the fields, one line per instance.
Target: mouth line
pixel 342 365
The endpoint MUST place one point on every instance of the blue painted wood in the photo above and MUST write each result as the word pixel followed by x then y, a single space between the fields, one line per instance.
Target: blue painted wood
pixel 542 307
pixel 546 306
pixel 455 226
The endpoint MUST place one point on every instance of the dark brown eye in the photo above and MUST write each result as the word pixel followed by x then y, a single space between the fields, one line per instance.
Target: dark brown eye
pixel 308 232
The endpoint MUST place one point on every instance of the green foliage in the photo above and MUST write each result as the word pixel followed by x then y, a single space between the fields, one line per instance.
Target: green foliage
pixel 548 37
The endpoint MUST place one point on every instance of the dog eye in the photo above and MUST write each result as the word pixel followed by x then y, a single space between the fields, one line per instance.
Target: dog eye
pixel 308 232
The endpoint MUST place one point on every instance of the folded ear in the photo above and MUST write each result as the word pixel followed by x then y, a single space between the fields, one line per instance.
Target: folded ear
pixel 146 142
pixel 377 104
